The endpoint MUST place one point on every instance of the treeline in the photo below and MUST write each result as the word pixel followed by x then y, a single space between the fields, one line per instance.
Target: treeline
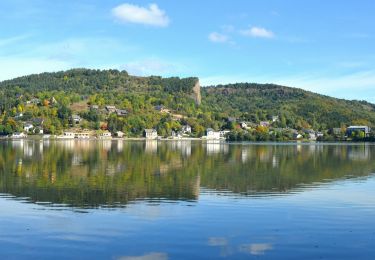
pixel 55 97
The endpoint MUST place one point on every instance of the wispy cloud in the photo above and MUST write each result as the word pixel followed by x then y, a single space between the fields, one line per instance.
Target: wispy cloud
pixel 257 32
pixel 255 249
pixel 151 15
pixel 218 37
pixel 149 256
pixel 12 40
pixel 217 241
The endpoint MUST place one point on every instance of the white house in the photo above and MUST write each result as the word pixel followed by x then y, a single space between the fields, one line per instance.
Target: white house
pixel 357 128
pixel 120 134
pixel 186 129
pixel 151 134
pixel 38 131
pixel 105 135
pixel 76 119
pixel 312 136
pixel 223 133
pixel 275 118
pixel 244 125
pixel 110 109
pixel 121 112
pixel 27 127
pixel 297 135
pixel 212 134
pixel 82 135
pixel 176 135
pixel 67 135
pixel 18 135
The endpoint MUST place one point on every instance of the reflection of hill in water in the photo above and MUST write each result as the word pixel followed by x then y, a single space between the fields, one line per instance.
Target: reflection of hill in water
pixel 113 173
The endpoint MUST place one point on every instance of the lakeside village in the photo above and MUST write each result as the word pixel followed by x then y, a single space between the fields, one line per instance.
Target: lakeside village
pixel 240 130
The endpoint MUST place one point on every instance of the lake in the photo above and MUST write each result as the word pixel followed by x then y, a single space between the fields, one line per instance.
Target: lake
pixel 186 200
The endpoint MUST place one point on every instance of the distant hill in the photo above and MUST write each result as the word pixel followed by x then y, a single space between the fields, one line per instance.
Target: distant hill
pixel 183 99
pixel 259 101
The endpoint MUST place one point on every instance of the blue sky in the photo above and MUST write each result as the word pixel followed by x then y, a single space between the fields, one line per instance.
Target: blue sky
pixel 322 46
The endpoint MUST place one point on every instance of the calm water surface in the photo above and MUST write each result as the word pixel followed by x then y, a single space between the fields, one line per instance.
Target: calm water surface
pixel 186 200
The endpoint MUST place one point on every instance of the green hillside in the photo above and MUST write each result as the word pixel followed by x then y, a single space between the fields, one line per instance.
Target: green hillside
pixel 296 107
pixel 55 97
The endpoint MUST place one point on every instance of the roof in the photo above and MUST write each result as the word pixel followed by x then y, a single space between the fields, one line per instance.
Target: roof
pixel 38 121
pixel 150 130
pixel 358 126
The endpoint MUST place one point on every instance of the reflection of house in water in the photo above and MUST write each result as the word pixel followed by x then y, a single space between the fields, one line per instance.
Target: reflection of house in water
pixel 275 161
pixel 75 145
pixel 359 153
pixel 216 146
pixel 299 148
pixel 151 146
pixel 106 144
pixel 264 154
pixel 120 145
pixel 28 148
pixel 184 146
pixel 77 159
pixel 67 144
pixel 18 144
pixel 314 148
pixel 244 155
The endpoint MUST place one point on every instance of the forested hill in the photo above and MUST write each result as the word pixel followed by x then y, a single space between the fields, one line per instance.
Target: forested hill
pixel 60 95
pixel 87 82
pixel 297 107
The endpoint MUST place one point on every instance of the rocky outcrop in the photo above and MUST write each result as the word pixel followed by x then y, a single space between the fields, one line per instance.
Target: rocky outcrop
pixel 197 93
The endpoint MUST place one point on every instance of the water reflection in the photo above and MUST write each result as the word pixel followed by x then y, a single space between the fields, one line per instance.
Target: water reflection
pixel 114 173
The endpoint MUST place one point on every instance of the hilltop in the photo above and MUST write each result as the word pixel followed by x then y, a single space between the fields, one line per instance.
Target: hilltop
pixel 83 98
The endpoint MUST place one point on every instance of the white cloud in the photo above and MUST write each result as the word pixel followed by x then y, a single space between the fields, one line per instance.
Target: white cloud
pixel 258 32
pixel 255 249
pixel 218 37
pixel 151 15
pixel 150 256
pixel 217 241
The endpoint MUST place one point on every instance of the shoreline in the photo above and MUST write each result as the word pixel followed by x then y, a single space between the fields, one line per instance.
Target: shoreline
pixel 215 141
